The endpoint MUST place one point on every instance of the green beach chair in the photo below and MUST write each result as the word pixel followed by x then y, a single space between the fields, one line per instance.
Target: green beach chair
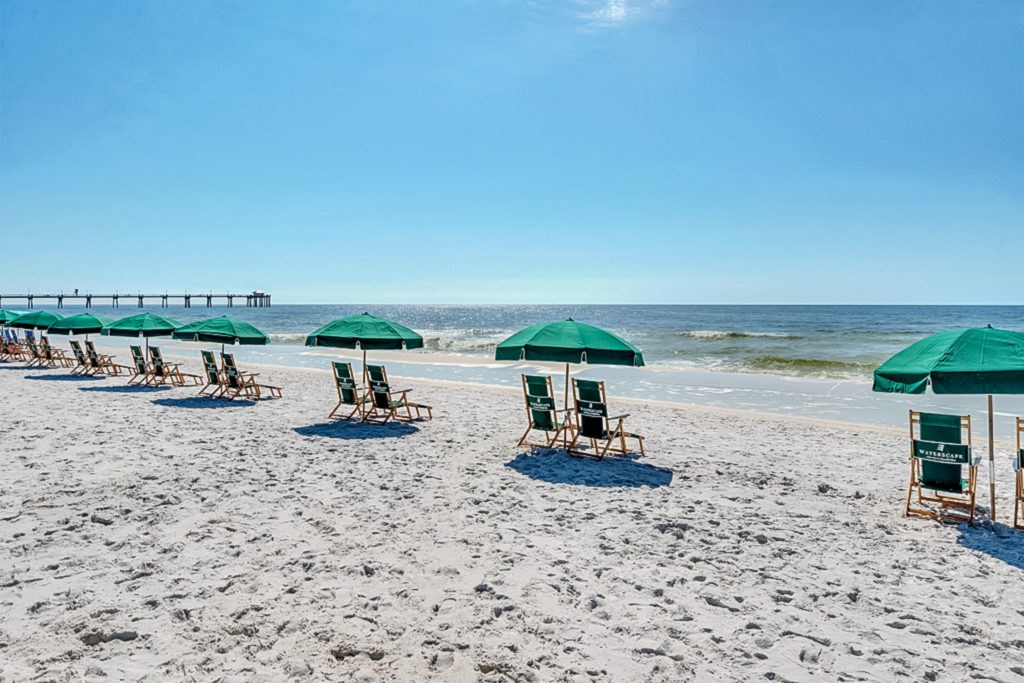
pixel 140 366
pixel 164 371
pixel 1018 465
pixel 938 454
pixel 348 393
pixel 605 434
pixel 383 406
pixel 35 356
pixel 102 363
pixel 82 366
pixel 244 382
pixel 215 384
pixel 542 414
pixel 54 356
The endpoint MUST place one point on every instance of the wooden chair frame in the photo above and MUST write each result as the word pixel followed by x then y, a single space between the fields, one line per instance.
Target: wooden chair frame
pixel 615 434
pixel 1018 465
pixel 382 405
pixel 545 403
pixel 343 384
pixel 950 504
pixel 164 371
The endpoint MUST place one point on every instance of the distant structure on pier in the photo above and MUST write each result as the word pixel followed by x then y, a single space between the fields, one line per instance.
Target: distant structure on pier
pixel 255 299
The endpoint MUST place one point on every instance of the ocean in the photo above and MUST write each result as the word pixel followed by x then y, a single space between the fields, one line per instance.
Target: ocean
pixel 814 361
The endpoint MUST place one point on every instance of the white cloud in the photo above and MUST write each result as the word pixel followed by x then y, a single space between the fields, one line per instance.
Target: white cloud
pixel 609 13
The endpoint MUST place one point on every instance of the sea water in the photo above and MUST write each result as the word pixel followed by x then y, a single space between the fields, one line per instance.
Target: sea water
pixel 813 361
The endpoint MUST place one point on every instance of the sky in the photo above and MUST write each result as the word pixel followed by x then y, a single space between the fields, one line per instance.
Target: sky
pixel 515 151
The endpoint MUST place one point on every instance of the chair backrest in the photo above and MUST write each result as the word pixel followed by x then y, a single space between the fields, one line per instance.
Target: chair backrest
pixel 591 407
pixel 1020 444
pixel 29 334
pixel 940 448
pixel 33 348
pixel 346 383
pixel 379 387
pixel 158 361
pixel 139 360
pixel 540 402
pixel 90 350
pixel 45 343
pixel 231 370
pixel 76 348
pixel 210 368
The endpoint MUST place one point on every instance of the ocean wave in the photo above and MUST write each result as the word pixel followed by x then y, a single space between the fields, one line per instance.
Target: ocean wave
pixel 808 367
pixel 292 339
pixel 460 345
pixel 719 335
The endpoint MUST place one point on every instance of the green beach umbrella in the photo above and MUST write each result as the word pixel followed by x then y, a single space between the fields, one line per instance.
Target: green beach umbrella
pixel 35 320
pixel 7 316
pixel 222 330
pixel 367 332
pixel 568 342
pixel 83 323
pixel 142 325
pixel 973 361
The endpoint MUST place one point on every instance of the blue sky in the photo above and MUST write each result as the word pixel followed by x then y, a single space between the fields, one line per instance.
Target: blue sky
pixel 489 151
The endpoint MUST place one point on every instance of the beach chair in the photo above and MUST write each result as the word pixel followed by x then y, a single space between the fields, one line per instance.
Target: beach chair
pixel 34 356
pixel 606 434
pixel 239 382
pixel 103 363
pixel 938 454
pixel 383 406
pixel 82 366
pixel 215 384
pixel 348 393
pixel 164 371
pixel 1018 465
pixel 542 415
pixel 54 356
pixel 12 349
pixel 140 366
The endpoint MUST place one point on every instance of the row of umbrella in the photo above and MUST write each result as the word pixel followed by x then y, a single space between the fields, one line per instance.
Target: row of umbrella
pixel 974 361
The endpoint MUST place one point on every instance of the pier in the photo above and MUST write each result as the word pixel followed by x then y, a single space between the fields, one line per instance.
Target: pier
pixel 255 299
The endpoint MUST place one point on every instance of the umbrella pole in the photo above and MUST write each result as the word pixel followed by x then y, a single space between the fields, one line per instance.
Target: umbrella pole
pixel 991 463
pixel 567 386
pixel 366 383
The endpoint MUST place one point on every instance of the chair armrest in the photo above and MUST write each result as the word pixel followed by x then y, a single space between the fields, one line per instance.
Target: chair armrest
pixel 619 417
pixel 400 391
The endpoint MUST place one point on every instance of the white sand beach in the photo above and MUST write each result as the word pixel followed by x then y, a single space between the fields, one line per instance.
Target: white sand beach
pixel 147 534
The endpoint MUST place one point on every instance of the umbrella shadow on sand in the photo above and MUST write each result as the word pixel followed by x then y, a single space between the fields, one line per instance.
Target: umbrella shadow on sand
pixel 65 378
pixel 995 540
pixel 202 402
pixel 558 467
pixel 125 389
pixel 358 430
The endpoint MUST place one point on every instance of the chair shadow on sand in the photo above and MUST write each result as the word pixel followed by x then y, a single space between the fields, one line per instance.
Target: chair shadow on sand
pixel 558 467
pixel 125 389
pixel 996 540
pixel 202 402
pixel 358 430
pixel 65 378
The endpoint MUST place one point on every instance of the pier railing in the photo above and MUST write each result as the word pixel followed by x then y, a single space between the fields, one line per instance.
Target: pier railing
pixel 252 300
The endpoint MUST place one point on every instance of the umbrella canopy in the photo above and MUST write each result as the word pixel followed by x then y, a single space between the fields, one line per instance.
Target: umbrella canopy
pixel 974 361
pixel 369 332
pixel 142 325
pixel 7 316
pixel 84 323
pixel 221 330
pixel 37 319
pixel 569 342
